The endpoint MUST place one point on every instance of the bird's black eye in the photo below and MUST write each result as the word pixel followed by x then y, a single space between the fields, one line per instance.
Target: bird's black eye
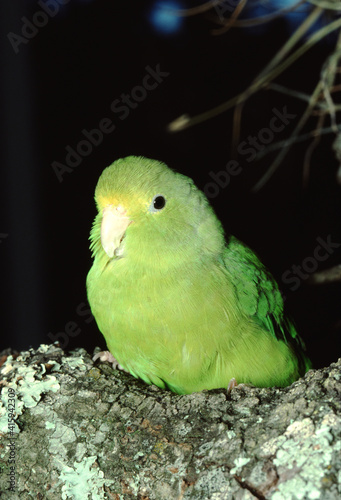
pixel 158 202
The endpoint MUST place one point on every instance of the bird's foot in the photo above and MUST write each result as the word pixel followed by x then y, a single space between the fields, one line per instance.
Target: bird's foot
pixel 234 384
pixel 107 356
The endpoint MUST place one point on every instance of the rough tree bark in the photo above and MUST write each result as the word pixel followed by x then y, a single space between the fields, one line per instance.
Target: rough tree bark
pixel 81 430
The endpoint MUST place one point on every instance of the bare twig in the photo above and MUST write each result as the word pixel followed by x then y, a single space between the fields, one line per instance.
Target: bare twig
pixel 199 9
pixel 229 23
pixel 309 152
pixel 284 90
pixel 326 276
pixel 281 155
pixel 256 21
pixel 295 140
pixel 320 103
pixel 332 62
pixel 326 4
pixel 262 79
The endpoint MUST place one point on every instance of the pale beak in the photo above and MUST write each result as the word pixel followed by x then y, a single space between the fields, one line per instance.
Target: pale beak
pixel 113 228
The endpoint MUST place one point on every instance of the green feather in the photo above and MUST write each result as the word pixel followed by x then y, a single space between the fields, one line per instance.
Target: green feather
pixel 179 306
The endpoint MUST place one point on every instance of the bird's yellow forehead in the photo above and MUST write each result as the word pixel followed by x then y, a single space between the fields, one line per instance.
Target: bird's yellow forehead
pixel 104 201
pixel 128 203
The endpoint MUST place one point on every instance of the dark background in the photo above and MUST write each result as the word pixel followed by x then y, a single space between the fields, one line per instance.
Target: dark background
pixel 64 79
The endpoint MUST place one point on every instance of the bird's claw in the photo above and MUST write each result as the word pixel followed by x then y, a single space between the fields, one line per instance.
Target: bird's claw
pixel 234 384
pixel 231 385
pixel 107 356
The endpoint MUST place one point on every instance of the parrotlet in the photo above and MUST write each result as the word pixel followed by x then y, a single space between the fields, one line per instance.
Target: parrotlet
pixel 181 306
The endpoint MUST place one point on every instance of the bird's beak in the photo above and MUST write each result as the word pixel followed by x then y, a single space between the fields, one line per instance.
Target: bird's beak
pixel 113 228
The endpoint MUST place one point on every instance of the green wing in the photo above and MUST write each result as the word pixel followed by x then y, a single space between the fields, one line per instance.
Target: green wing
pixel 257 291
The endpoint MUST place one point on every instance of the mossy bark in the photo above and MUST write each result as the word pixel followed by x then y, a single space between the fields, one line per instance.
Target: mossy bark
pixel 81 431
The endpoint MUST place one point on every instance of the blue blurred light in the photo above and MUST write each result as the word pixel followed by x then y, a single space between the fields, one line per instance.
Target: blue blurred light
pixel 164 18
pixel 266 7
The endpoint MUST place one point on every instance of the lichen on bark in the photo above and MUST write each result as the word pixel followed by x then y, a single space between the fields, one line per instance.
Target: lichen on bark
pixel 82 430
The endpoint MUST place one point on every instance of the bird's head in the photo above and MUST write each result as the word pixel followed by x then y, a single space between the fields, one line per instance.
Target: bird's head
pixel 152 213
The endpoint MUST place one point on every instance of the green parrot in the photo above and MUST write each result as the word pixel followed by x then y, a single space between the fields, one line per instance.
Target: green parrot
pixel 179 306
